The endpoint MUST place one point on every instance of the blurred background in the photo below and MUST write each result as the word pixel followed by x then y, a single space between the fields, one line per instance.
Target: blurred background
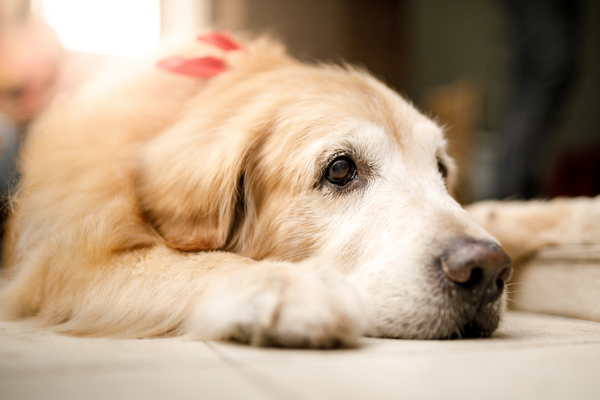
pixel 516 83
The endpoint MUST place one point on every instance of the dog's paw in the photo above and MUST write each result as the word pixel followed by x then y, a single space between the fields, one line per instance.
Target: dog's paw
pixel 524 227
pixel 281 304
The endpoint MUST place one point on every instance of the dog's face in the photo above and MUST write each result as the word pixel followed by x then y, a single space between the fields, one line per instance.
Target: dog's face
pixel 325 161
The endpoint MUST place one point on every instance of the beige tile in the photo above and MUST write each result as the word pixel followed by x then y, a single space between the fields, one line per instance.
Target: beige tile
pixel 557 372
pixel 531 356
pixel 39 364
pixel 27 348
pixel 169 383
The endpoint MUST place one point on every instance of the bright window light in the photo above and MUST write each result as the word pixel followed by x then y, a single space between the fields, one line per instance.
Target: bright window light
pixel 114 27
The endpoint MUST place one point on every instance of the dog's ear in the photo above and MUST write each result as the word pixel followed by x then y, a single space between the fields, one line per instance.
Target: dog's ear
pixel 187 178
pixel 187 184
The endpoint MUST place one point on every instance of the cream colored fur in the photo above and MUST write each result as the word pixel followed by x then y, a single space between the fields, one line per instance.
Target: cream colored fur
pixel 157 204
pixel 523 227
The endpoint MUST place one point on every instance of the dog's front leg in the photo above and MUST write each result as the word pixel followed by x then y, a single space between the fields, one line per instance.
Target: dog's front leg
pixel 280 303
pixel 204 295
pixel 524 227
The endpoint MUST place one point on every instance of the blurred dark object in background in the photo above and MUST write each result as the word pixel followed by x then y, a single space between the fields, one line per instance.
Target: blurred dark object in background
pixel 375 34
pixel 576 173
pixel 458 107
pixel 546 45
pixel 451 58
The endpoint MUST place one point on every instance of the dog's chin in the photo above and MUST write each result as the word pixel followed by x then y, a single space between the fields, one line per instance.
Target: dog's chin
pixel 471 321
pixel 458 321
pixel 483 325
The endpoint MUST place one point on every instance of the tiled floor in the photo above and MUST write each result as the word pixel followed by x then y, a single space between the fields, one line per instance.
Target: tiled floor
pixel 531 357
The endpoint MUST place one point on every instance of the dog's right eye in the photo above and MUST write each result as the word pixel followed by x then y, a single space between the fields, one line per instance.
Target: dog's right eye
pixel 341 171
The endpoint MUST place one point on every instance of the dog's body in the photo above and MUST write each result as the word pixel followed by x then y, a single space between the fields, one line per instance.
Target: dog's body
pixel 276 202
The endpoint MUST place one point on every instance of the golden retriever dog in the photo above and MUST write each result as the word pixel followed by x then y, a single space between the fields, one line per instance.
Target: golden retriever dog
pixel 233 192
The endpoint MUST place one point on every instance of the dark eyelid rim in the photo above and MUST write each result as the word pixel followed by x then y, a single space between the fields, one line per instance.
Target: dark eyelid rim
pixel 441 164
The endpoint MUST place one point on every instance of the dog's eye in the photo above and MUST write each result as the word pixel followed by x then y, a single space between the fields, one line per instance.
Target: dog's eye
pixel 443 170
pixel 341 171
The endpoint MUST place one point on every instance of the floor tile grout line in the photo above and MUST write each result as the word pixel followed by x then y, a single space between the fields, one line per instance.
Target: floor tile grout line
pixel 264 384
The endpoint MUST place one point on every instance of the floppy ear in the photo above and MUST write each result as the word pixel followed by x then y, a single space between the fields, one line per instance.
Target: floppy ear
pixel 187 177
pixel 187 184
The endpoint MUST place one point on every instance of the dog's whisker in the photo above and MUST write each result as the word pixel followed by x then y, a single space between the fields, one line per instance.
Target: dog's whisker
pixel 517 283
pixel 514 301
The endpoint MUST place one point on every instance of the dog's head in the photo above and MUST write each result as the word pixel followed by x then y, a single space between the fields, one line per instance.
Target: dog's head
pixel 281 160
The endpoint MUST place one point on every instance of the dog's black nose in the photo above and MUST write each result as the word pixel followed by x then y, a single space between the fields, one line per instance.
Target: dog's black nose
pixel 479 269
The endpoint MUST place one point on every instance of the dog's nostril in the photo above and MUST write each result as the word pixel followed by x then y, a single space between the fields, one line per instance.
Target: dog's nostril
pixel 500 284
pixel 476 277
pixel 505 274
pixel 481 268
